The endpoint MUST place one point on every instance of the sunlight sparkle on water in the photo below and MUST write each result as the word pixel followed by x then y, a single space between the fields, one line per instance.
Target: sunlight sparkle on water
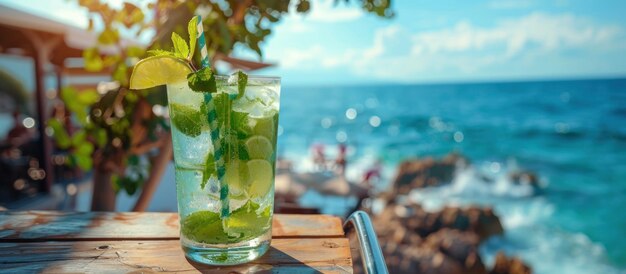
pixel 351 113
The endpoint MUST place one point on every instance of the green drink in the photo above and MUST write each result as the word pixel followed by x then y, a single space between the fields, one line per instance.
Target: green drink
pixel 224 137
pixel 247 128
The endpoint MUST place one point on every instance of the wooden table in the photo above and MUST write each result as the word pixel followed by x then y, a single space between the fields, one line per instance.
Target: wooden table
pixel 61 242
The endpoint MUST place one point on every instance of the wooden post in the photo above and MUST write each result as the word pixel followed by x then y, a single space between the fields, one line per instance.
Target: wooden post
pixel 42 48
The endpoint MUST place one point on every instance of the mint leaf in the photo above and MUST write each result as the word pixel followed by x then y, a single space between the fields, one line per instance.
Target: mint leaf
pixel 209 170
pixel 192 29
pixel 181 49
pixel 202 80
pixel 160 52
pixel 187 120
pixel 242 81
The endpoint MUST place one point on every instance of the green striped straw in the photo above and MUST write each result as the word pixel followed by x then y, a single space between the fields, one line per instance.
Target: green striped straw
pixel 213 125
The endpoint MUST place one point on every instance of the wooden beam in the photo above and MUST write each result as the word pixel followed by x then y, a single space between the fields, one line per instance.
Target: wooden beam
pixel 42 47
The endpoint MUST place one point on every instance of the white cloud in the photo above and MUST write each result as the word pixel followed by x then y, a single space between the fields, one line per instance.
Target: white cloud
pixel 512 37
pixel 301 58
pixel 513 47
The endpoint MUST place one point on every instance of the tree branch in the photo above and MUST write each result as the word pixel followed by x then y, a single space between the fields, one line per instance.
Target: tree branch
pixel 156 173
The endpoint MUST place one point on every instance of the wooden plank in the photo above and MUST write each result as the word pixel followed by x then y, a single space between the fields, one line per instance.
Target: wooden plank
pixel 45 225
pixel 327 255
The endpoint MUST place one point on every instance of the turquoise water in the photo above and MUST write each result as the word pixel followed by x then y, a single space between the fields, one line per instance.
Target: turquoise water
pixel 571 133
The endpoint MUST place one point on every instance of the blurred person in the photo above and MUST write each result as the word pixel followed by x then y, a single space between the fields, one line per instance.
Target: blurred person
pixel 341 161
pixel 19 134
pixel 319 156
pixel 372 175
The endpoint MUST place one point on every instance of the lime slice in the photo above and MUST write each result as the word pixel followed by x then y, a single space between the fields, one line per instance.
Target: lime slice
pixel 158 70
pixel 240 122
pixel 261 177
pixel 266 127
pixel 236 177
pixel 259 147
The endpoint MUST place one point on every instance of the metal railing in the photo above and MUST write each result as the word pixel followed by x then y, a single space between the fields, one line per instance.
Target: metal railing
pixel 371 255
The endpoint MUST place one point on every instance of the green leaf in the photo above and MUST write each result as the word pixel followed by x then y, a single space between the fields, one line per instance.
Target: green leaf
pixel 130 15
pixel 87 97
pixel 187 120
pixel 192 29
pixel 134 51
pixel 133 160
pixel 202 80
pixel 181 49
pixel 242 81
pixel 84 149
pixel 84 162
pixel 79 137
pixel 93 61
pixel 61 137
pixel 115 181
pixel 101 137
pixel 209 170
pixel 120 74
pixel 108 37
pixel 160 52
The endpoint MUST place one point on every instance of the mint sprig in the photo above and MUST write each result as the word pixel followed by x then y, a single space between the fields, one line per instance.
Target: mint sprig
pixel 202 80
pixel 188 120
pixel 242 81
pixel 193 35
pixel 181 49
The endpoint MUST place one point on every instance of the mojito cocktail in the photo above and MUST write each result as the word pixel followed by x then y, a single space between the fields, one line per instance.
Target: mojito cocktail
pixel 224 132
pixel 246 128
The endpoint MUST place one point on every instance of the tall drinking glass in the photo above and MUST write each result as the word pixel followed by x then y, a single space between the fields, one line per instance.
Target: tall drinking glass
pixel 245 129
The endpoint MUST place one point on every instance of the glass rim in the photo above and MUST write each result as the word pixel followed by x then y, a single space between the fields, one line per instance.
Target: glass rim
pixel 251 77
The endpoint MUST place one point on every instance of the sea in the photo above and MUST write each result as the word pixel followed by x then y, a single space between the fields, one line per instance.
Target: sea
pixel 571 134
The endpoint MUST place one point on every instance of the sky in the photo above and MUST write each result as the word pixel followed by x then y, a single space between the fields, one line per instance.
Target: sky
pixel 432 41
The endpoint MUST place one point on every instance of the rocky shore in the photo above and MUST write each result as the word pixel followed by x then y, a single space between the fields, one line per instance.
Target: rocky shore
pixel 414 240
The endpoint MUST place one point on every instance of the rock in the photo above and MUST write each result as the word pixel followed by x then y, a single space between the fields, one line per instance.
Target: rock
pixel 506 265
pixel 446 241
pixel 411 259
pixel 487 224
pixel 524 178
pixel 459 246
pixel 426 172
pixel 481 221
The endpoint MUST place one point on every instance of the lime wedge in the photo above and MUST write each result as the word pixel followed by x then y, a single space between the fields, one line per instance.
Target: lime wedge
pixel 259 147
pixel 158 70
pixel 261 177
